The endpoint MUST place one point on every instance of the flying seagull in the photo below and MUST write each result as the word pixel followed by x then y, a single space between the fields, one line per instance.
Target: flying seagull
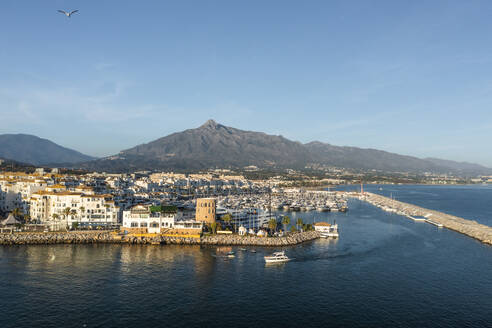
pixel 68 14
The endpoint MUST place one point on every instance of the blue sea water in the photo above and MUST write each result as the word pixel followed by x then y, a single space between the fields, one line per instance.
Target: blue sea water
pixel 472 202
pixel 383 271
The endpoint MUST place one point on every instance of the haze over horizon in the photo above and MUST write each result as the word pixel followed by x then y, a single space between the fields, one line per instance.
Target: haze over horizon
pixel 410 78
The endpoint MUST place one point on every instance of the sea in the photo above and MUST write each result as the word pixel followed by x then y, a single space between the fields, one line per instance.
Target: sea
pixel 384 271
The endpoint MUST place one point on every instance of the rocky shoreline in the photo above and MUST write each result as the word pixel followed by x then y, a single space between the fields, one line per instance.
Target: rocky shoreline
pixel 47 238
pixel 469 228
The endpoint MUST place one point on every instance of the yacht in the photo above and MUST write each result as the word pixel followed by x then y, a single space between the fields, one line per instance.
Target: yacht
pixel 277 257
pixel 326 230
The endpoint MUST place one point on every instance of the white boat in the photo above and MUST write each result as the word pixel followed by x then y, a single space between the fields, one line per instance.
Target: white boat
pixel 277 257
pixel 326 230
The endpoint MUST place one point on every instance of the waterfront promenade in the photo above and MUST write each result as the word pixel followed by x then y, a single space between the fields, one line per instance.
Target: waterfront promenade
pixel 89 237
pixel 469 228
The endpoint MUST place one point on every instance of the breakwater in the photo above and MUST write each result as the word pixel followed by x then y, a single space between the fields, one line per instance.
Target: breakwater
pixel 469 228
pixel 46 238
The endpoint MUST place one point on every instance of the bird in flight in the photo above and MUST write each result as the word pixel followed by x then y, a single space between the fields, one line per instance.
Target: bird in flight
pixel 68 14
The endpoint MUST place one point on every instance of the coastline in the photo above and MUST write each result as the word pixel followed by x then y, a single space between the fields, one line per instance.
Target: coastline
pixel 473 229
pixel 89 237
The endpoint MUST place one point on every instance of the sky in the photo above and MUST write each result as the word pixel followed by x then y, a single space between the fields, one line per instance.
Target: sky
pixel 411 77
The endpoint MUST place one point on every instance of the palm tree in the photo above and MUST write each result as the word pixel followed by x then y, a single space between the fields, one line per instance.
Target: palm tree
pixel 272 224
pixel 299 223
pixel 82 212
pixel 213 227
pixel 285 222
pixel 73 212
pixel 66 213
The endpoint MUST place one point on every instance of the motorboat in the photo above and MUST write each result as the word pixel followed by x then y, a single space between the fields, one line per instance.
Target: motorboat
pixel 277 257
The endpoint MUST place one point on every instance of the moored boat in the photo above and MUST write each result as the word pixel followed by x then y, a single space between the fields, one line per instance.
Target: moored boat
pixel 326 230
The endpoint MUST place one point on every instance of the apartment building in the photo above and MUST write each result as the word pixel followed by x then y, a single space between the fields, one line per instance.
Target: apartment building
pixel 62 209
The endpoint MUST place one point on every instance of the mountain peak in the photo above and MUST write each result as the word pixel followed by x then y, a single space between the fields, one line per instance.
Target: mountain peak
pixel 211 124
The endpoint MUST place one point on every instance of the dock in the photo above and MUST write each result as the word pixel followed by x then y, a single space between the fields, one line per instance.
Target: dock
pixel 416 213
pixel 418 219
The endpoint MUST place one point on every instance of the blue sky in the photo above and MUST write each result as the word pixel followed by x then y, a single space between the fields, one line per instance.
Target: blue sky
pixel 413 77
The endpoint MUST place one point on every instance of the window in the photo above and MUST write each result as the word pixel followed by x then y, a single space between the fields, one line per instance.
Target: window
pixel 143 224
pixel 134 224
pixel 154 224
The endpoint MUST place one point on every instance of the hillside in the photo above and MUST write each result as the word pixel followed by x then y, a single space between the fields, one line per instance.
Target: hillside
pixel 37 151
pixel 215 145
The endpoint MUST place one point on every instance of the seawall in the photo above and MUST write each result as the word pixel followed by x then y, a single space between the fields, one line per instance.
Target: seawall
pixel 46 238
pixel 469 228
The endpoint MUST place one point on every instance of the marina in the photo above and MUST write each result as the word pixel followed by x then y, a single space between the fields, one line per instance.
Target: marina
pixel 254 211
pixel 447 272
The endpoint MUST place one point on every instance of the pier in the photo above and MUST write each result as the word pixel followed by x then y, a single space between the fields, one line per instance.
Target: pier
pixel 469 228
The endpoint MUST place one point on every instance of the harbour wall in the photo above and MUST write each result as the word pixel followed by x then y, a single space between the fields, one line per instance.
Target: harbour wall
pixel 46 238
pixel 469 228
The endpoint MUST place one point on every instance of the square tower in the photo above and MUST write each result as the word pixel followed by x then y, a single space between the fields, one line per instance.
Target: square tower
pixel 205 210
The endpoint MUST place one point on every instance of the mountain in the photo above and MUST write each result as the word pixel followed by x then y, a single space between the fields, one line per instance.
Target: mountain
pixel 368 159
pixel 460 166
pixel 210 145
pixel 34 150
pixel 10 165
pixel 215 145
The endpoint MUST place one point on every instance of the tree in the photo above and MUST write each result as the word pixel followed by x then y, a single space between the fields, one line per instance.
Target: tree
pixel 285 221
pixel 272 225
pixel 213 227
pixel 66 213
pixel 73 213
pixel 82 212
pixel 299 223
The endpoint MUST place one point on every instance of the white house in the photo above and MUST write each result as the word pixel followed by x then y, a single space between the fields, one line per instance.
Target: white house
pixel 157 219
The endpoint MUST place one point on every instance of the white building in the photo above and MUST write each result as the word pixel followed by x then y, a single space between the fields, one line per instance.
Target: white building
pixel 156 219
pixel 65 209
pixel 16 192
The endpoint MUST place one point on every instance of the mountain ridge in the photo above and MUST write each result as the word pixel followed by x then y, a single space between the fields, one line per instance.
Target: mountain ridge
pixel 27 148
pixel 215 145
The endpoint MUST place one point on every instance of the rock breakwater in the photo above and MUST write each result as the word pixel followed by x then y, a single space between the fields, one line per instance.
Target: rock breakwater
pixel 40 238
pixel 46 238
